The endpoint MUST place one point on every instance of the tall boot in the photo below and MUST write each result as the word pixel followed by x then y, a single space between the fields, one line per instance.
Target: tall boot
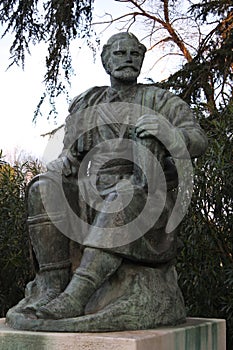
pixel 96 267
pixel 51 250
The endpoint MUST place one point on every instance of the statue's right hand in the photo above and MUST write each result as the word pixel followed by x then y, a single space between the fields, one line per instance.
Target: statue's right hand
pixel 62 166
pixel 66 169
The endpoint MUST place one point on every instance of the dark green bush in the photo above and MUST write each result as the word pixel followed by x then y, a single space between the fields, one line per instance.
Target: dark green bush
pixel 15 263
pixel 205 266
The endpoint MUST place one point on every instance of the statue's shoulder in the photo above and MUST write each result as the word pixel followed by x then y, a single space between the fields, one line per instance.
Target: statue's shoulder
pixel 160 99
pixel 155 90
pixel 86 98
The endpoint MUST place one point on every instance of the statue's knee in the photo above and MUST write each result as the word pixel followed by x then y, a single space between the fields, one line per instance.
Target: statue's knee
pixel 45 196
pixel 38 190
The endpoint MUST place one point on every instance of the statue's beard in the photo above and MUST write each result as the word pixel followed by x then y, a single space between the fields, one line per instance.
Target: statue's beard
pixel 128 74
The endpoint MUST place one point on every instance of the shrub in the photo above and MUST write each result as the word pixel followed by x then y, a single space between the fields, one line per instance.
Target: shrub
pixel 205 265
pixel 15 263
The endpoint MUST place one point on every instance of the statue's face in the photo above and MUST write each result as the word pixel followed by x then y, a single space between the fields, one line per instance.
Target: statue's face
pixel 125 60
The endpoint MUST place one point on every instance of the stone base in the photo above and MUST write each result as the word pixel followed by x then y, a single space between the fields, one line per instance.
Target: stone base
pixel 195 334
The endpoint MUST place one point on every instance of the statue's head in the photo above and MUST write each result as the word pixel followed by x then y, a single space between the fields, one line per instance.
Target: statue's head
pixel 123 55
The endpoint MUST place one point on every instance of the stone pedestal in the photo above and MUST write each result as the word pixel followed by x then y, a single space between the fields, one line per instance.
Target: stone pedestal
pixel 195 334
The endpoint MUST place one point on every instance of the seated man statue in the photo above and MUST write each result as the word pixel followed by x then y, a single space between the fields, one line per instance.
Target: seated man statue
pixel 120 149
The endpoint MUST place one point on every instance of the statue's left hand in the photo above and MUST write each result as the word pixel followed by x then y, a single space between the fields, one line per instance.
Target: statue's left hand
pixel 159 127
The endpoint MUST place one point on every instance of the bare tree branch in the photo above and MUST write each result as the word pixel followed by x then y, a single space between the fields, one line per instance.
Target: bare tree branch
pixel 166 11
pixel 162 57
pixel 165 24
pixel 168 38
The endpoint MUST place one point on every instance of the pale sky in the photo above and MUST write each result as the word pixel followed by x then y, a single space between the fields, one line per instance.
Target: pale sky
pixel 20 91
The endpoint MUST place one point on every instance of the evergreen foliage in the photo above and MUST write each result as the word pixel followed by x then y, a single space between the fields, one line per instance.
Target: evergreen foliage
pixel 55 23
pixel 15 263
pixel 206 264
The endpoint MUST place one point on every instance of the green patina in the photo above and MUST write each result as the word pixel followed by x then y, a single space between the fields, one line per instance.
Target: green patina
pixel 214 333
pixel 193 338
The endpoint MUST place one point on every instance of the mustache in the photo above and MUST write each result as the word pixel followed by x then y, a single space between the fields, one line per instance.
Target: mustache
pixel 135 69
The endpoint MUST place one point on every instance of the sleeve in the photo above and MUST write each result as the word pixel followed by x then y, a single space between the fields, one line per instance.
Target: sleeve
pixel 181 116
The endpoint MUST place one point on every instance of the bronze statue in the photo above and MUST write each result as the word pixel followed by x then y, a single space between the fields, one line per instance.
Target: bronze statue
pixel 121 278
